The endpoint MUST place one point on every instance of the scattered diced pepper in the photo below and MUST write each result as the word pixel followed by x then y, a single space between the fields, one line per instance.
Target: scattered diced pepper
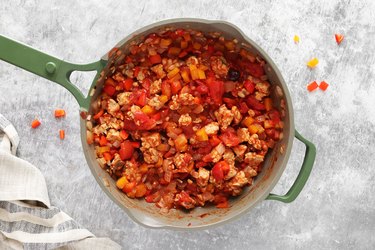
pixel 202 135
pixel 155 59
pixel 163 98
pixel 128 83
pixel 36 123
pixel 59 113
pixel 312 86
pixel 99 114
pixel 62 134
pixel 174 51
pixel 323 85
pixel 164 43
pixel 296 39
pixel 313 62
pixel 128 187
pixel 256 129
pixel 120 183
pixel 140 190
pixel 124 135
pixel 185 76
pixel 104 149
pixel 175 87
pixel 194 72
pixel 248 121
pixel 109 89
pixel 339 38
pixel 126 151
pixel 201 74
pixel 173 72
pixel 230 45
pixel 107 156
pixel 103 141
pixel 197 46
pixel 184 44
pixel 148 110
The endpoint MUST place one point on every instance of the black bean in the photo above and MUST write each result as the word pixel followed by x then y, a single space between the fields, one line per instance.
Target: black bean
pixel 233 75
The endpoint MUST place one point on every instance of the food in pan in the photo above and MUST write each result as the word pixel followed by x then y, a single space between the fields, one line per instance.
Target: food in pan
pixel 185 120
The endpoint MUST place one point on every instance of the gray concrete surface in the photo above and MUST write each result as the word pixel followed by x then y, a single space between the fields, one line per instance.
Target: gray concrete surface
pixel 336 208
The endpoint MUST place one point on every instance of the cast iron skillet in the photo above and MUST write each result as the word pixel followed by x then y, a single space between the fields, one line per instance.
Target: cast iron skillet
pixel 144 213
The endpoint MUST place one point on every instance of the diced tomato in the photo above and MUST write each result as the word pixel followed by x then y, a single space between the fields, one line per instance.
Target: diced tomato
pixel 135 144
pixel 155 59
pixel 136 71
pixel 146 83
pixel 224 204
pixel 243 108
pixel 103 141
pixel 183 54
pixel 216 89
pixel 128 83
pixel 219 170
pixel 254 103
pixel 249 86
pixel 230 138
pixel 126 151
pixel 141 98
pixel 145 122
pixel 107 156
pixel 229 101
pixel 166 88
pixel 124 135
pixel 214 140
pixel 255 69
pixel 202 87
pixel 175 87
pixel 156 116
pixel 229 86
pixel 109 89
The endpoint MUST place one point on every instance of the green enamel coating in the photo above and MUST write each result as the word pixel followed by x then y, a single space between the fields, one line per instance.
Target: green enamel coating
pixel 47 66
pixel 303 175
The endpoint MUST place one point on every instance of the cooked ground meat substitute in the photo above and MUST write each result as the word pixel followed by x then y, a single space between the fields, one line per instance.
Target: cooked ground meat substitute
pixel 186 119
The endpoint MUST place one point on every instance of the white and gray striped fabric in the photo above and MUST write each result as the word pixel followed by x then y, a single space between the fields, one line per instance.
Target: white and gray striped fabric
pixel 27 219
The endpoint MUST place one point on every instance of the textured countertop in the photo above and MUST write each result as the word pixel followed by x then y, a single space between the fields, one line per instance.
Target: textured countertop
pixel 335 209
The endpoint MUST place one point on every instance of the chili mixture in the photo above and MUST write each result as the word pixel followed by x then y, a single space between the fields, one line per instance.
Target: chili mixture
pixel 185 119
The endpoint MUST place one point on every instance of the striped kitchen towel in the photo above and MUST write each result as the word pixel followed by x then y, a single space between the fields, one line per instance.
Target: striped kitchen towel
pixel 27 219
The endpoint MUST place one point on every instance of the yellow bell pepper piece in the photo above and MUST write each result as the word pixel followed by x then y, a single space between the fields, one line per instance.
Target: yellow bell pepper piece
pixel 185 76
pixel 202 135
pixel 313 62
pixel 120 183
pixel 296 39
pixel 173 72
pixel 148 110
pixel 194 72
pixel 163 98
pixel 201 74
pixel 164 43
pixel 248 121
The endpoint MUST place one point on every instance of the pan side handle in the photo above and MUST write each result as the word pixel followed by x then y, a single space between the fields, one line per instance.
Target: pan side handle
pixel 303 175
pixel 47 66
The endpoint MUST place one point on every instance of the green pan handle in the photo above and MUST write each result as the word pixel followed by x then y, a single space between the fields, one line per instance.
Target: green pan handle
pixel 303 175
pixel 47 66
